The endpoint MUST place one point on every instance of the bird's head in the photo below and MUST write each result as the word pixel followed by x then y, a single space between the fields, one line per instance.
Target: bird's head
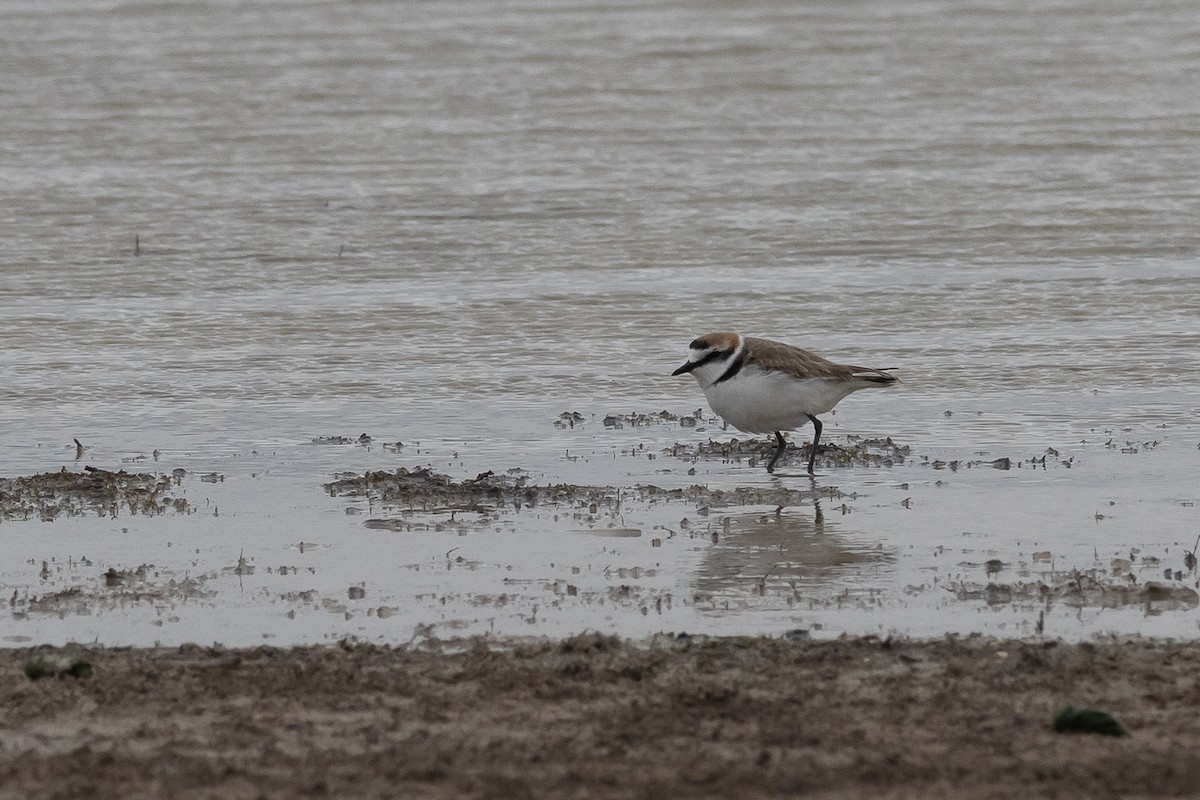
pixel 709 355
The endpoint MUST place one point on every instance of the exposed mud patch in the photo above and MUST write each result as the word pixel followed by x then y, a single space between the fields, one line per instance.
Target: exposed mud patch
pixel 423 490
pixel 49 495
pixel 113 588
pixel 1079 589
pixel 858 451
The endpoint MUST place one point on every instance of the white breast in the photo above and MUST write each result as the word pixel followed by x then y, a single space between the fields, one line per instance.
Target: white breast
pixel 764 402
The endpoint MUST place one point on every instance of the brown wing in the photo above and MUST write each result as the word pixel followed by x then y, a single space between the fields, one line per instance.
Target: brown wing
pixel 780 357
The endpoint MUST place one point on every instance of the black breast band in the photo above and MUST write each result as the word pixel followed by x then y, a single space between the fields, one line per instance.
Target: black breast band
pixel 733 368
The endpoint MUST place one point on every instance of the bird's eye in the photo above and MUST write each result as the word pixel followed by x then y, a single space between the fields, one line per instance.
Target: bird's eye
pixel 699 344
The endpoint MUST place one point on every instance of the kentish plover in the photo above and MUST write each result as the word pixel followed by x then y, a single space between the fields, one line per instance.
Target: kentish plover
pixel 761 386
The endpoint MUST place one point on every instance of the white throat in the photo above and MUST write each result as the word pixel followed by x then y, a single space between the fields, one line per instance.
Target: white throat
pixel 708 374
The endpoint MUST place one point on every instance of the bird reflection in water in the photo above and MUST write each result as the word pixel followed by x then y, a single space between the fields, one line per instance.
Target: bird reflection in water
pixel 786 551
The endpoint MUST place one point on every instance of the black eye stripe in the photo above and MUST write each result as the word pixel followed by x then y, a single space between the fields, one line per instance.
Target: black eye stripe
pixel 713 356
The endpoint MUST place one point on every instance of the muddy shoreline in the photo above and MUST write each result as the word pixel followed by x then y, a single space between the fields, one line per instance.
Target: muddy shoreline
pixel 594 716
pixel 164 556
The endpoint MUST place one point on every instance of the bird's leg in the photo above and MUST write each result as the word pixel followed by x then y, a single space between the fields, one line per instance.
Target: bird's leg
pixel 812 456
pixel 778 453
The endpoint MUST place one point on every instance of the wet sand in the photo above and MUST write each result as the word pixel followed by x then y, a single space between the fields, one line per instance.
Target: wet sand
pixel 598 717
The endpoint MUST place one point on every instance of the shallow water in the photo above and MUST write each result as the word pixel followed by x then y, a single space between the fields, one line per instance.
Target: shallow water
pixel 446 223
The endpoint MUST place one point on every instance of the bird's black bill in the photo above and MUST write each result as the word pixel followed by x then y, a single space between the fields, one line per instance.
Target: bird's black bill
pixel 688 367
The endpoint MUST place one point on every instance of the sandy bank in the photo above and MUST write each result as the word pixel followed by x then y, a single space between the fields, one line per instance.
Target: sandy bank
pixel 596 717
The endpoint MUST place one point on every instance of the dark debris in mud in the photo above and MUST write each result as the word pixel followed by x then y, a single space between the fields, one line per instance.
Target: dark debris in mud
pixel 1049 458
pixel 1082 589
pixel 49 495
pixel 55 665
pixel 363 439
pixel 635 419
pixel 1087 720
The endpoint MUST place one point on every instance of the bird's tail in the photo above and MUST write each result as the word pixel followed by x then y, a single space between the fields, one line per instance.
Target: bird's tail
pixel 879 376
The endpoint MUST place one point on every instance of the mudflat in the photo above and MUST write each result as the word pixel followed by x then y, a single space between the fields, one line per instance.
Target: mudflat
pixel 596 716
